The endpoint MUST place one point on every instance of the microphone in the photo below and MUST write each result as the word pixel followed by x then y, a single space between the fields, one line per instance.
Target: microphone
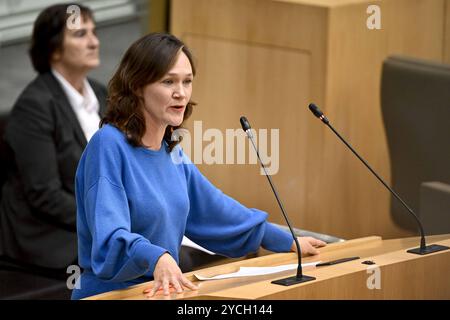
pixel 423 249
pixel 299 277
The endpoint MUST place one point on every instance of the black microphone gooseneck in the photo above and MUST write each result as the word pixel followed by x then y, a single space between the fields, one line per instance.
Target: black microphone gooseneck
pixel 299 277
pixel 423 249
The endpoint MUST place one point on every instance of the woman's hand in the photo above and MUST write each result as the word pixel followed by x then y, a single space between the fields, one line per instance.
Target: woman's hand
pixel 167 274
pixel 308 245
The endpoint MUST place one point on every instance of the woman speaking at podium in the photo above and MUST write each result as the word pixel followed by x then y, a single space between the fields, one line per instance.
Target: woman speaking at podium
pixel 136 199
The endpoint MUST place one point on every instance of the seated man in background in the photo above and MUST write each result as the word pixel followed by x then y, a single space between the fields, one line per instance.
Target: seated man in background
pixel 48 128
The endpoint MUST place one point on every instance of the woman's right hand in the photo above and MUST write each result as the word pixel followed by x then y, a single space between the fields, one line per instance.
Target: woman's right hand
pixel 167 274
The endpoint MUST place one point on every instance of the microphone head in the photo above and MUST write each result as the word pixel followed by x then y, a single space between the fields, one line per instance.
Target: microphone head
pixel 315 110
pixel 319 114
pixel 245 124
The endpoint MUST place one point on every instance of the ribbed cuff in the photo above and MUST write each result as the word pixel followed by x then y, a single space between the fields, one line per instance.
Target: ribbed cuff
pixel 146 255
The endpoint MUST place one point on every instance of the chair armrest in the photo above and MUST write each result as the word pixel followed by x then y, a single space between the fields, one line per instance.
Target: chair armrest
pixel 435 207
pixel 306 233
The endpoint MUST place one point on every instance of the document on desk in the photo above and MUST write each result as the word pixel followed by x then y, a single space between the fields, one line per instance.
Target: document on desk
pixel 256 271
pixel 189 243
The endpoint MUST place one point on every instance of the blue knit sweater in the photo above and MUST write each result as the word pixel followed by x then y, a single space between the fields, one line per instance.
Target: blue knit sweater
pixel 134 204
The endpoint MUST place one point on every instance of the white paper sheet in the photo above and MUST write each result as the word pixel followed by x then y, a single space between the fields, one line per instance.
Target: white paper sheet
pixel 255 271
pixel 189 243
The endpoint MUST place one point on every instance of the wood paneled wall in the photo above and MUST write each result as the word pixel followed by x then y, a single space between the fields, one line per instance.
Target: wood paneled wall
pixel 268 60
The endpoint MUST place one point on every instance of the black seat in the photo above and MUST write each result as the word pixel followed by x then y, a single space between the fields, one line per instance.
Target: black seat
pixel 20 281
pixel 3 150
pixel 415 101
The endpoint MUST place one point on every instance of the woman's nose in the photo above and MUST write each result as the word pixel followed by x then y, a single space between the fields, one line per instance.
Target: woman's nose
pixel 93 41
pixel 179 92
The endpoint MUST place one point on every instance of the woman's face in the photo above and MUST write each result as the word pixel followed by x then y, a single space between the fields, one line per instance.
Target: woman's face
pixel 80 49
pixel 165 100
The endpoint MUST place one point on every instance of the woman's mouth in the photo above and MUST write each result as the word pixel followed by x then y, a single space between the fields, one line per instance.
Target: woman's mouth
pixel 177 108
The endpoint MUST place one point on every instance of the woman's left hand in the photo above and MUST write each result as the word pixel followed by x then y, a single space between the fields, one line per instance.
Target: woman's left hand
pixel 308 245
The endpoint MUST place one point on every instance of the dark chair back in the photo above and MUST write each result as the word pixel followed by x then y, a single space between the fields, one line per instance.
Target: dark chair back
pixel 415 101
pixel 3 150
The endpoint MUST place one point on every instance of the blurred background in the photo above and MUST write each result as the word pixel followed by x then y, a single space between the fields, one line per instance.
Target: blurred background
pixel 119 23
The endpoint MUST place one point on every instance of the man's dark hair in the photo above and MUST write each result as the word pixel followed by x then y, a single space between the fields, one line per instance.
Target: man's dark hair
pixel 48 33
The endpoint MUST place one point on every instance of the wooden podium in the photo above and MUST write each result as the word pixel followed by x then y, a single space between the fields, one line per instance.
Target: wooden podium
pixel 401 275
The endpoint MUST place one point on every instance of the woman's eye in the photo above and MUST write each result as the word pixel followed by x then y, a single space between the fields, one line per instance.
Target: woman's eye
pixel 188 81
pixel 168 81
pixel 80 33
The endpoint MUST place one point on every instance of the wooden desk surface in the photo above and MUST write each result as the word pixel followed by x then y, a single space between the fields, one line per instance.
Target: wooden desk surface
pixel 325 3
pixel 403 275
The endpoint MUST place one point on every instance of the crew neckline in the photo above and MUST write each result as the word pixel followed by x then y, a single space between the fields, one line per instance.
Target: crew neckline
pixel 162 150
pixel 164 147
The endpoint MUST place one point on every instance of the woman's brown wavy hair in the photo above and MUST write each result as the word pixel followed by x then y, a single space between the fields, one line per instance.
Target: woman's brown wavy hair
pixel 145 62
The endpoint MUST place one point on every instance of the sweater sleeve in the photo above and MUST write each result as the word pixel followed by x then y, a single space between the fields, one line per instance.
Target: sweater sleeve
pixel 117 253
pixel 223 225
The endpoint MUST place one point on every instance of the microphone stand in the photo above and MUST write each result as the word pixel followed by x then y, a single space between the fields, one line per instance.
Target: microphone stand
pixel 423 249
pixel 299 277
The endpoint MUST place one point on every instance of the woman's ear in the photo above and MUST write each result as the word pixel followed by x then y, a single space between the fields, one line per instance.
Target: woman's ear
pixel 138 92
pixel 56 55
